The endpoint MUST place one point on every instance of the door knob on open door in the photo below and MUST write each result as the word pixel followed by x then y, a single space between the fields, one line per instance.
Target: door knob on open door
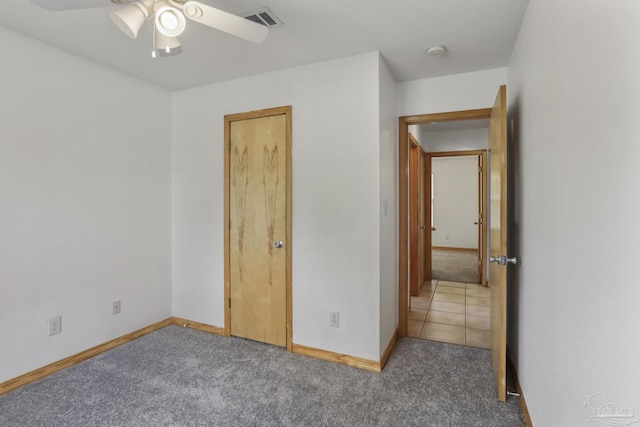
pixel 278 244
pixel 503 260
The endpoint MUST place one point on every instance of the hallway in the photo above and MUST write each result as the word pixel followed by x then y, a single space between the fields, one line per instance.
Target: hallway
pixel 452 312
pixel 454 265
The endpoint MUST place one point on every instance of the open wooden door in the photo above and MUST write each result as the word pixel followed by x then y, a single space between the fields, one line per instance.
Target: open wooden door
pixel 414 217
pixel 498 226
pixel 422 220
pixel 481 242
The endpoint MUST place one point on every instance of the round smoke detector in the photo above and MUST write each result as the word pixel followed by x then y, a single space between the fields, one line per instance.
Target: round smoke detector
pixel 437 51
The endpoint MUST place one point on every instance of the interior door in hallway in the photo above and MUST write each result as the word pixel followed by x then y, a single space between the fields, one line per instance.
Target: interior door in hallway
pixel 259 227
pixel 498 238
pixel 414 217
pixel 424 274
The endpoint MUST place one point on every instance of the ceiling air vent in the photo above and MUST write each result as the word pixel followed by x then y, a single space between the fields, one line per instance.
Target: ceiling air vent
pixel 263 16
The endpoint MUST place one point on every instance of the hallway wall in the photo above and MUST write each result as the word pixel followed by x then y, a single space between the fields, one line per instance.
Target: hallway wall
pixel 455 140
pixel 455 207
pixel 466 91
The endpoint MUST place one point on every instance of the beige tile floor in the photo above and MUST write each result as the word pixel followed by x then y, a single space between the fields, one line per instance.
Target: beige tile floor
pixel 451 312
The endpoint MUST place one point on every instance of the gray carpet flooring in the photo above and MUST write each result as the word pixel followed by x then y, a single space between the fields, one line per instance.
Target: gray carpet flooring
pixel 181 377
pixel 455 266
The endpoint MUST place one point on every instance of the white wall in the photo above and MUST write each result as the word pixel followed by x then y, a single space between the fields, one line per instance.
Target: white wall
pixel 389 208
pixel 574 98
pixel 454 140
pixel 455 201
pixel 336 198
pixel 467 91
pixel 84 184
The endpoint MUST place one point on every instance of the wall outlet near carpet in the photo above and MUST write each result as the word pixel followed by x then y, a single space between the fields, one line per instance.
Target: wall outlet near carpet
pixel 117 307
pixel 55 325
pixel 334 319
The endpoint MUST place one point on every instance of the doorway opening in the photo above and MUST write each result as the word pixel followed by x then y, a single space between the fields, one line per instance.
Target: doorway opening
pixel 447 219
pixel 497 223
pixel 457 211
pixel 416 230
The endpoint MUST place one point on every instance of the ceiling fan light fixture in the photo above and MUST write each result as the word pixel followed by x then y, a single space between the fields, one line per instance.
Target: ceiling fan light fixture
pixel 130 18
pixel 164 53
pixel 165 46
pixel 169 21
pixel 168 18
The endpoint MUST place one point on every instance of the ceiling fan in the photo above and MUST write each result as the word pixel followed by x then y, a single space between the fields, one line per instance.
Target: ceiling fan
pixel 168 20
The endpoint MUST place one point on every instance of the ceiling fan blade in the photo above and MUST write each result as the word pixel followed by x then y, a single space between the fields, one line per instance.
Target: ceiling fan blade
pixel 224 21
pixel 71 4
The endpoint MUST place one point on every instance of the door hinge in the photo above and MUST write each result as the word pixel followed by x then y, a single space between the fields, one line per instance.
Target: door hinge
pixel 229 302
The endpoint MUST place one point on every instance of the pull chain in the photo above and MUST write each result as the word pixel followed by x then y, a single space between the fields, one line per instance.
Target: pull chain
pixel 153 40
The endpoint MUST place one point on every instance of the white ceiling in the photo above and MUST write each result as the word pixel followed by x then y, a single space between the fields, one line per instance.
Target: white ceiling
pixel 479 34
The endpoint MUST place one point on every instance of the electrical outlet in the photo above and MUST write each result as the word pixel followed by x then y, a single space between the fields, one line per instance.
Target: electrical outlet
pixel 334 319
pixel 117 307
pixel 55 325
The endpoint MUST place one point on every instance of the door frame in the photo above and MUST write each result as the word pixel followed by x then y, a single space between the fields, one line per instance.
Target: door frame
pixel 482 208
pixel 403 197
pixel 228 119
